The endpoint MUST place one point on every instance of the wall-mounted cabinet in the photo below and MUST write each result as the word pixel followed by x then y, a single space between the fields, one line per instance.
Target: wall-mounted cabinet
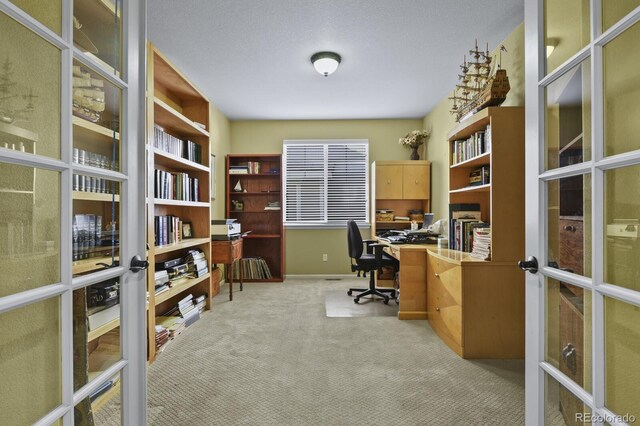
pixel 399 188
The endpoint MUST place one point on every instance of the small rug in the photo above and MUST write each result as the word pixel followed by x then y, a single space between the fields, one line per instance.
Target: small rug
pixel 339 305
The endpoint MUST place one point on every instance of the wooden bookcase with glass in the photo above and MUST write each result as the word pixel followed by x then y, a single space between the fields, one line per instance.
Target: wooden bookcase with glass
pixel 178 225
pixel 96 106
pixel 254 199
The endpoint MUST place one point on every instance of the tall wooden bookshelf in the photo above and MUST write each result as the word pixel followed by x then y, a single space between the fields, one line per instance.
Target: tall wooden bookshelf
pixel 179 109
pixel 502 199
pixel 256 203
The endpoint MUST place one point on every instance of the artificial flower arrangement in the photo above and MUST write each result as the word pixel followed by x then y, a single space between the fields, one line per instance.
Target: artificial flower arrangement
pixel 414 138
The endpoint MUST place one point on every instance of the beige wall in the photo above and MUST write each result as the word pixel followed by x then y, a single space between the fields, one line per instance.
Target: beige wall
pixel 440 122
pixel 220 147
pixel 304 248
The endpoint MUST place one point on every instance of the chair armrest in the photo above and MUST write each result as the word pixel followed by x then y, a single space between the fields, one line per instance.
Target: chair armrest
pixel 377 247
pixel 369 244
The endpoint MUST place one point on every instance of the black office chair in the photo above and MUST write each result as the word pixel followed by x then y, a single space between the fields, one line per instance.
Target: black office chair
pixel 374 259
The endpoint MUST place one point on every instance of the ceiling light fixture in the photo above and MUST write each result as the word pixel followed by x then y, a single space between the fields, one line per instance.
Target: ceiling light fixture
pixel 325 62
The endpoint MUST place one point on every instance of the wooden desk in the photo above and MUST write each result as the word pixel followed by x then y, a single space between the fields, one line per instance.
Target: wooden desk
pixel 413 279
pixel 228 253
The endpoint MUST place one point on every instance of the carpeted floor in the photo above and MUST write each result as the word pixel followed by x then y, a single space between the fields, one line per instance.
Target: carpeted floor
pixel 272 357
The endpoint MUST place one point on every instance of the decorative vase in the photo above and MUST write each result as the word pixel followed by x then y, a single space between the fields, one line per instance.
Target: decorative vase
pixel 414 153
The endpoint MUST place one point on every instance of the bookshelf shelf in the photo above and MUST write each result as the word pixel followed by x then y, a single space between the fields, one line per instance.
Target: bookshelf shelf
pixel 255 193
pixel 477 161
pixel 181 245
pixel 95 196
pixel 164 202
pixel 169 160
pixel 89 265
pixel 175 105
pixel 179 286
pixel 92 335
pixel 170 119
pixel 266 240
pixel 266 236
pixel 477 188
pixel 95 128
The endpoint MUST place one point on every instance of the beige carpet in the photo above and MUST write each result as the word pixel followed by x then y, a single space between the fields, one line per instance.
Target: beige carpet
pixel 272 357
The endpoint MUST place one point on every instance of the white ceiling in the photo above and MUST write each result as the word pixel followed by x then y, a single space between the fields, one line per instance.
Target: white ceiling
pixel 399 57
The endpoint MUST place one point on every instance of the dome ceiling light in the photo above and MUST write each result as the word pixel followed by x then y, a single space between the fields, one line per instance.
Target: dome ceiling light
pixel 325 62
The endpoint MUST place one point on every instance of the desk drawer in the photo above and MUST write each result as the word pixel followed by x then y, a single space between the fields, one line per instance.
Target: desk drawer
pixel 444 299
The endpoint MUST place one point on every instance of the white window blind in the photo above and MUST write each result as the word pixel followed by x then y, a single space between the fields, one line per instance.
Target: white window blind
pixel 325 182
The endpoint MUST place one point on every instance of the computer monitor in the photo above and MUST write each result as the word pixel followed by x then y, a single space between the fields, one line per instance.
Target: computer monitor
pixel 427 220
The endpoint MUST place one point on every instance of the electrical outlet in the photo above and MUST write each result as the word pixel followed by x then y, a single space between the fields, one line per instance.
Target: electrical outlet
pixel 324 257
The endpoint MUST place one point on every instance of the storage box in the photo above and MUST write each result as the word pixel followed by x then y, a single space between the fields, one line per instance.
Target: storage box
pixel 384 217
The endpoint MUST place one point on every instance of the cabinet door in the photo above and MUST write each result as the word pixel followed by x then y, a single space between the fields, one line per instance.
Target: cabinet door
pixel 415 182
pixel 388 182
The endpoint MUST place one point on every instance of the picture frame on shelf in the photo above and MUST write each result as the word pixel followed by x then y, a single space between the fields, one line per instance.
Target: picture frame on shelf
pixel 187 230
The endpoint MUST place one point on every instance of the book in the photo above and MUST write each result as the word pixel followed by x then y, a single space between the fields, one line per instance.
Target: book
pixel 461 211
pixel 99 317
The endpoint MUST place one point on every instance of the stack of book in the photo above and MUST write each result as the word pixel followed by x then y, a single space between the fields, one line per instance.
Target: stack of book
pixel 482 243
pixel 88 241
pixel 181 148
pixel 201 302
pixel 168 230
pixel 238 170
pixel 187 310
pixel 197 263
pixel 174 324
pixel 253 167
pixel 273 205
pixel 162 282
pixel 162 337
pixel 175 186
pixel 253 268
pixel 475 145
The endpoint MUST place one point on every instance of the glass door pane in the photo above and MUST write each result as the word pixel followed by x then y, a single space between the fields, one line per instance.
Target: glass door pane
pixel 97 31
pixel 566 30
pixel 30 362
pixel 48 12
pixel 621 92
pixel 29 91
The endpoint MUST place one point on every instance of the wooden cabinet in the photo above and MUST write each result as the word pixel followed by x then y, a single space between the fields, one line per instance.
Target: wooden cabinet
pixel 475 307
pixel 400 186
pixel 178 184
pixel 254 198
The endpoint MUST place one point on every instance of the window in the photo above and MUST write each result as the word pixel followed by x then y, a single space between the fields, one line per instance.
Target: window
pixel 326 182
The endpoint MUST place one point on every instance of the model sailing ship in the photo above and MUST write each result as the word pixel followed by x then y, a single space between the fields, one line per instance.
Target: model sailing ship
pixel 9 112
pixel 482 84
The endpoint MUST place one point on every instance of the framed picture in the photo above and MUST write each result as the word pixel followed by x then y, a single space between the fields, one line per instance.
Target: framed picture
pixel 187 230
pixel 212 171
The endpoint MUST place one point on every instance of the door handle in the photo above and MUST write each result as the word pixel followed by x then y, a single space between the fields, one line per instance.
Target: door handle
pixel 531 265
pixel 137 264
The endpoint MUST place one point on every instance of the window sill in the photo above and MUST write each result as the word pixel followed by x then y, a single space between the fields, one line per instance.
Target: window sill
pixel 319 226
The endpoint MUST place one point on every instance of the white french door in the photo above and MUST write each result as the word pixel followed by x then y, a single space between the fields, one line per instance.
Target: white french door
pixel 72 87
pixel 583 211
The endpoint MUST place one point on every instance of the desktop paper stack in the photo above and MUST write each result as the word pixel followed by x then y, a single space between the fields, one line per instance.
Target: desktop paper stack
pixel 481 243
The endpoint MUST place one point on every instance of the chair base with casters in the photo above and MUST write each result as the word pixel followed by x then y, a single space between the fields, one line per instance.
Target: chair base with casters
pixel 373 260
pixel 384 293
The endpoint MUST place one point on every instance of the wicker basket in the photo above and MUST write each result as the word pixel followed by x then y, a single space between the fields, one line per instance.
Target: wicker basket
pixel 416 216
pixel 384 217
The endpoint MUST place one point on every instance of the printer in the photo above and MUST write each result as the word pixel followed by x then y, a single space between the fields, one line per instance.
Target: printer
pixel 225 229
